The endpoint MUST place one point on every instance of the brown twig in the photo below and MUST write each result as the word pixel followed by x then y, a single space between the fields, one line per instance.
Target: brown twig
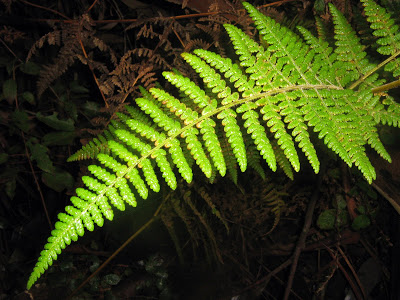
pixel 349 280
pixel 33 172
pixel 198 15
pixel 37 182
pixel 302 239
pixel 332 267
pixel 276 3
pixel 352 271
pixel 267 278
pixel 46 8
pixel 116 252
pixel 91 6
pixel 385 195
pixel 12 52
pixel 179 38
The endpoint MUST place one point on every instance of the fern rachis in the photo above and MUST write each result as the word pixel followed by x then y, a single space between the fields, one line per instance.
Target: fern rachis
pixel 276 94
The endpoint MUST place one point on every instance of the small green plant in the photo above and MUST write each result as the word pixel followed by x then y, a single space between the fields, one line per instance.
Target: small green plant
pixel 282 92
pixel 338 217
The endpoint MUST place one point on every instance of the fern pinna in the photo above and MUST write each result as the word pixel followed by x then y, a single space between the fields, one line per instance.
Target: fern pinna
pixel 279 91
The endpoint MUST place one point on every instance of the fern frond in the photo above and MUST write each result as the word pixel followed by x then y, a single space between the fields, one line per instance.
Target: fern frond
pixel 267 103
pixel 230 159
pixel 274 200
pixel 324 59
pixel 52 38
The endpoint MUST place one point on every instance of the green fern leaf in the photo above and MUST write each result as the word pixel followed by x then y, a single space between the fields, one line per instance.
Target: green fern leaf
pixel 266 105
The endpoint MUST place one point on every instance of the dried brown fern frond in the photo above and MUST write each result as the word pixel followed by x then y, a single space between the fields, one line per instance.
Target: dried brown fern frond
pixel 197 44
pixel 214 32
pixel 150 28
pixel 102 46
pixel 64 60
pixel 152 56
pixel 73 37
pixel 98 121
pixel 274 201
pixel 147 32
pixel 186 218
pixel 130 73
pixel 52 38
pixel 78 42
pixel 127 84
pixel 212 25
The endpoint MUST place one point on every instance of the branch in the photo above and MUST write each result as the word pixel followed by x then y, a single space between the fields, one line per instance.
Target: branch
pixel 301 243
pixel 198 15
pixel 46 8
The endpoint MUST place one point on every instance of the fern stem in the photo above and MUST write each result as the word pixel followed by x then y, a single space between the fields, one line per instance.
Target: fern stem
pixel 372 71
pixel 386 87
